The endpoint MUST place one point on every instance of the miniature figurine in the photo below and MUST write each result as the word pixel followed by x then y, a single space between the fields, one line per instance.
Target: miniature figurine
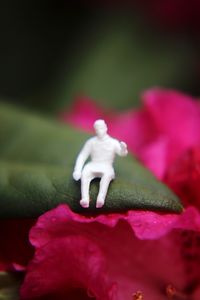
pixel 102 149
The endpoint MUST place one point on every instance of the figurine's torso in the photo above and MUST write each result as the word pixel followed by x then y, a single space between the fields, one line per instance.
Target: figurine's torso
pixel 103 150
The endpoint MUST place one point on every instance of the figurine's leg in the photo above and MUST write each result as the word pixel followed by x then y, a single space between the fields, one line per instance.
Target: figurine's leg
pixel 103 188
pixel 86 178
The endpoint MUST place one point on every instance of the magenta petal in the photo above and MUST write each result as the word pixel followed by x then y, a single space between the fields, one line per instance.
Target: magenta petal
pixel 83 113
pixel 177 116
pixel 167 125
pixel 189 220
pixel 145 224
pixel 134 127
pixel 67 263
pixel 196 294
pixel 62 239
pixel 154 156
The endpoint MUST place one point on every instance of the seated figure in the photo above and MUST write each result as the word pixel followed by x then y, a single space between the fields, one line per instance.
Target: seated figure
pixel 102 150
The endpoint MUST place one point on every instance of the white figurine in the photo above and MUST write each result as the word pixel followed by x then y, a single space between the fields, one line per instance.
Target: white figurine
pixel 102 149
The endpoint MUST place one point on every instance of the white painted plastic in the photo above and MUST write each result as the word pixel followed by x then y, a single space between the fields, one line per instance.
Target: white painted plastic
pixel 102 150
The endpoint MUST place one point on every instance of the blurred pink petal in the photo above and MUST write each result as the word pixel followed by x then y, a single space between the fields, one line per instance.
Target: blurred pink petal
pixel 145 224
pixel 122 264
pixel 184 177
pixel 154 156
pixel 176 115
pixel 83 113
pixel 196 294
pixel 67 266
pixel 159 134
pixel 167 125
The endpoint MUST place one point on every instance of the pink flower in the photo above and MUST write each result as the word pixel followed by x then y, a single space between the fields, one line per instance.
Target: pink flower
pixel 184 177
pixel 113 256
pixel 139 254
pixel 167 125
pixel 176 118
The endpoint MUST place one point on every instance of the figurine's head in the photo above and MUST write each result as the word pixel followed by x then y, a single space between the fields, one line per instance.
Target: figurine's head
pixel 100 128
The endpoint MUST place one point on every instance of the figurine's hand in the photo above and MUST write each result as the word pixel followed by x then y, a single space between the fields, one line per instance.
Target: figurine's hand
pixel 124 148
pixel 76 175
pixel 123 145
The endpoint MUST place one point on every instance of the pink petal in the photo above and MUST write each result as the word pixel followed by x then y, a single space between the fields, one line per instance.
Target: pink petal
pixel 177 116
pixel 83 113
pixel 128 261
pixel 158 133
pixel 175 113
pixel 64 265
pixel 127 125
pixel 196 294
pixel 184 177
pixel 145 224
pixel 154 156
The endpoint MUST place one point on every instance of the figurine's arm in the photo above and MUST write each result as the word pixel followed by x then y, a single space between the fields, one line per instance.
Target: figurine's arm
pixel 121 149
pixel 81 159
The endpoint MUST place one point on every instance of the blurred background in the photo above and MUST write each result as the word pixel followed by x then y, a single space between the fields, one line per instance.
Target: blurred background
pixel 53 51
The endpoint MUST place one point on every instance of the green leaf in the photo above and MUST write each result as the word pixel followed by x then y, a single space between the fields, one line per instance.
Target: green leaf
pixel 9 286
pixel 37 159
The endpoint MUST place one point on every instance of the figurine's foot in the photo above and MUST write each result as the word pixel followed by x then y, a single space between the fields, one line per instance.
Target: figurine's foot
pixel 100 203
pixel 84 203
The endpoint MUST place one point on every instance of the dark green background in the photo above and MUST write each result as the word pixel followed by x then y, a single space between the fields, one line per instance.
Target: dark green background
pixel 52 51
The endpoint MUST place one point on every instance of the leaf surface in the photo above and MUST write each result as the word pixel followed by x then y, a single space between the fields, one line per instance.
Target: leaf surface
pixel 36 165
